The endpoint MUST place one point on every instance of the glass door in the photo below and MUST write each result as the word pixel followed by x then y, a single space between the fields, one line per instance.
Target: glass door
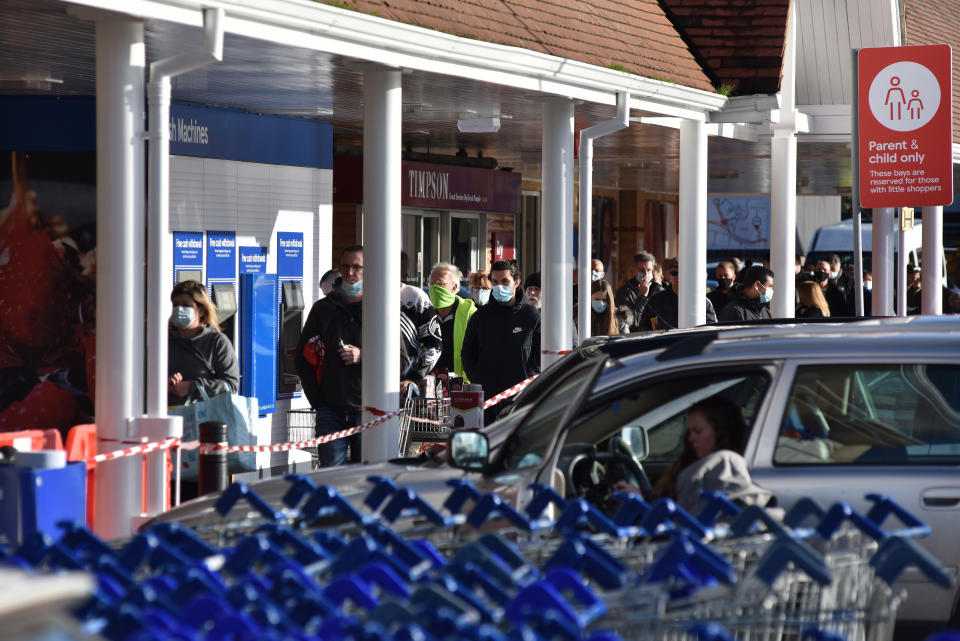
pixel 465 242
pixel 420 241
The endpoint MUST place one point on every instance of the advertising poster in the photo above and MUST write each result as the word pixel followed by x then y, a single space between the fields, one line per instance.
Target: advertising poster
pixel 187 256
pixel 738 222
pixel 253 260
pixel 47 289
pixel 221 257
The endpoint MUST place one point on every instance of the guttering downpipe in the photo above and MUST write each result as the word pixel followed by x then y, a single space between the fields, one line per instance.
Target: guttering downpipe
pixel 587 137
pixel 160 258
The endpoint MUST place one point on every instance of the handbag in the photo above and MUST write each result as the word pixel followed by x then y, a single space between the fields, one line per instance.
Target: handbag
pixel 240 413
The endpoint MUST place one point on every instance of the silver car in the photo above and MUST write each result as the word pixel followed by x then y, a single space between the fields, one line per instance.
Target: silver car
pixel 834 413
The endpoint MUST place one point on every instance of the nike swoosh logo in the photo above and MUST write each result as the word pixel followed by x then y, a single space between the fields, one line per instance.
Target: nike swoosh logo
pixel 517 330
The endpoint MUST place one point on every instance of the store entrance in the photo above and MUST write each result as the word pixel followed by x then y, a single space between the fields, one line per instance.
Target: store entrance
pixel 420 239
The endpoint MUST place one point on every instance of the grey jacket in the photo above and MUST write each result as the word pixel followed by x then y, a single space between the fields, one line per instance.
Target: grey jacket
pixel 207 360
pixel 721 471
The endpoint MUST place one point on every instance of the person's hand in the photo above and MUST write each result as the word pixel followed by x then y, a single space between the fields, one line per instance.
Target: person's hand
pixel 177 386
pixel 623 486
pixel 643 286
pixel 350 354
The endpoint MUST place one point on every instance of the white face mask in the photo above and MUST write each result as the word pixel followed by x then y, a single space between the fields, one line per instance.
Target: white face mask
pixel 595 275
pixel 868 285
pixel 182 317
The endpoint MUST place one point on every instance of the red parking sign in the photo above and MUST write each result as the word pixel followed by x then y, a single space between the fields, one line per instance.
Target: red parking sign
pixel 905 117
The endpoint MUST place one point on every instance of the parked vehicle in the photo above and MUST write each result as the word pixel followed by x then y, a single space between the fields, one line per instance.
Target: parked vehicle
pixel 834 412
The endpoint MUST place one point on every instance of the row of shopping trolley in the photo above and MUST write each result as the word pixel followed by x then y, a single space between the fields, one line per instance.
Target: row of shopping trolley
pixel 476 568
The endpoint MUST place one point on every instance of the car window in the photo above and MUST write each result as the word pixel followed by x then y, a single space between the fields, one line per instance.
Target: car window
pixel 874 414
pixel 527 446
pixel 660 407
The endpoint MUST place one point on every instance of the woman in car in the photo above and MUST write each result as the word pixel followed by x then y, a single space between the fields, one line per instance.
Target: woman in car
pixel 812 303
pixel 710 459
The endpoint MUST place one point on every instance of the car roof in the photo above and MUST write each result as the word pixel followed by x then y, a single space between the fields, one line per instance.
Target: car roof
pixel 898 338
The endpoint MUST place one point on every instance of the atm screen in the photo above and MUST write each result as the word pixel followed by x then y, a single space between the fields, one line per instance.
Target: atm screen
pixel 225 300
pixel 189 274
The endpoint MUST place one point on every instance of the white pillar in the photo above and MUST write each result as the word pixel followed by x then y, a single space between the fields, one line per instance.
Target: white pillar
pixel 120 58
pixel 882 261
pixel 783 183
pixel 783 221
pixel 556 231
pixel 585 229
pixel 692 241
pixel 901 276
pixel 932 273
pixel 380 352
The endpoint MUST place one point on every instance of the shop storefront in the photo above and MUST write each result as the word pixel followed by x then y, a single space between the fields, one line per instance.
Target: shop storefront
pixel 465 215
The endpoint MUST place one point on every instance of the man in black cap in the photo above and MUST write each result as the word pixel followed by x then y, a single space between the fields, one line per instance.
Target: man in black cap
pixel 531 289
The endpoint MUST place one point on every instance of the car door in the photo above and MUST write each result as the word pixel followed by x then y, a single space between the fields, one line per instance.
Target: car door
pixel 527 455
pixel 837 431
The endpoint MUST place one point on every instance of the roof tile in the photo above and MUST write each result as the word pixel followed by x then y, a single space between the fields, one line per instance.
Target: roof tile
pixel 635 34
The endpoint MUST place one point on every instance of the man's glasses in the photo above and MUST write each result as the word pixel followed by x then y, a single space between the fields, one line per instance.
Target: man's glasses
pixel 441 283
pixel 347 268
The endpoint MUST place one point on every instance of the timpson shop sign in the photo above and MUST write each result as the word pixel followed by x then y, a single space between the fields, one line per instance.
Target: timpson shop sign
pixel 432 186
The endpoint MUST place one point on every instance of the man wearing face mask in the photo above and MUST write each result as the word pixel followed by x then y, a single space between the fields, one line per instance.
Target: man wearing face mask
pixel 502 343
pixel 720 296
pixel 454 313
pixel 531 289
pixel 836 298
pixel 328 359
pixel 753 301
pixel 662 312
pixel 638 291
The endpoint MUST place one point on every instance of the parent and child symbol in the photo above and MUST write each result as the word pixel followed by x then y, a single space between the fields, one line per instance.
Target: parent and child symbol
pixel 896 100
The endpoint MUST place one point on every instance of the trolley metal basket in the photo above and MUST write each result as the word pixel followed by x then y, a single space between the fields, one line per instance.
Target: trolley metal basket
pixel 301 426
pixel 424 420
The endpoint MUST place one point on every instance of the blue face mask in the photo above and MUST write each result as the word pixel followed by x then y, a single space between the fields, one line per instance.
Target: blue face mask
pixel 182 317
pixel 480 296
pixel 352 290
pixel 599 306
pixel 502 293
pixel 767 295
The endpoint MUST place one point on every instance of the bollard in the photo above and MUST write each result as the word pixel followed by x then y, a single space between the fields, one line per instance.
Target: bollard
pixel 212 466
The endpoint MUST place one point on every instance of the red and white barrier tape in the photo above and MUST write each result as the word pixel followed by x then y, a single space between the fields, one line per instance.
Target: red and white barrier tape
pixel 560 353
pixel 507 393
pixel 145 448
pixel 382 417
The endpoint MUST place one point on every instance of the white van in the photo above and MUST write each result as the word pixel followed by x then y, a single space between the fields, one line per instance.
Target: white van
pixel 838 239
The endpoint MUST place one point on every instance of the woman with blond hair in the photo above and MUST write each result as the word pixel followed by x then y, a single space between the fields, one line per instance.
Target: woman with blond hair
pixel 199 355
pixel 812 303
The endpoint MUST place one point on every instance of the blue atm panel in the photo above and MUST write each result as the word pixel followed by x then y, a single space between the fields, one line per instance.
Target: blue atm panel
pixel 259 328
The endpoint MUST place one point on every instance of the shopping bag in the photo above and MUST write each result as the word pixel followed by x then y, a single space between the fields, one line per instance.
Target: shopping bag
pixel 238 412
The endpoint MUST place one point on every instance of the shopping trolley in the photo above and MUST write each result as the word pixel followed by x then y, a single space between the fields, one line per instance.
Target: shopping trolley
pixel 301 426
pixel 424 420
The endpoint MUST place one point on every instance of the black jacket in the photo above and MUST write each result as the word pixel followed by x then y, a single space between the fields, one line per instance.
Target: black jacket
pixel 628 296
pixel 332 318
pixel 720 299
pixel 744 308
pixel 502 345
pixel 809 312
pixel 665 308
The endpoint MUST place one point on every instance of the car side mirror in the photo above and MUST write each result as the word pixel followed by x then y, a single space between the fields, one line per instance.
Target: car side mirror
pixel 636 438
pixel 469 450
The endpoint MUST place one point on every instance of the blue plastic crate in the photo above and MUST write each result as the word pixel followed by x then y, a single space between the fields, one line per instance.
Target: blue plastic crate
pixel 34 499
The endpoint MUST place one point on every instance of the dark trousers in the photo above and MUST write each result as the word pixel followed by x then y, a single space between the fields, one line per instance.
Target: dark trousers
pixel 335 452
